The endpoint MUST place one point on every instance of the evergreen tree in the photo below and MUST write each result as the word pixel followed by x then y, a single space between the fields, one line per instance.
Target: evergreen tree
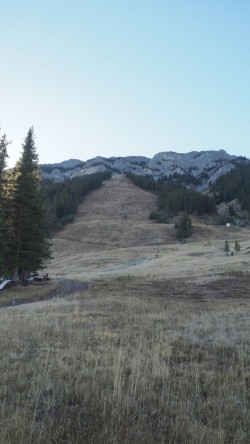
pixel 226 246
pixel 185 227
pixel 29 246
pixel 237 247
pixel 3 247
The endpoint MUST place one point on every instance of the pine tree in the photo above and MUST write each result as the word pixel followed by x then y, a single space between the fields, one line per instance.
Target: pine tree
pixel 237 247
pixel 226 246
pixel 3 248
pixel 29 246
pixel 185 227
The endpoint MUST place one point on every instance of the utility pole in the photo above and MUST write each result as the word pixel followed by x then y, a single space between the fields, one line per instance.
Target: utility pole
pixel 157 243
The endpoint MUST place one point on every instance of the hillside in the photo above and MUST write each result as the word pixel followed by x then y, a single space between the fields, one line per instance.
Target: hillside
pixel 113 234
pixel 111 223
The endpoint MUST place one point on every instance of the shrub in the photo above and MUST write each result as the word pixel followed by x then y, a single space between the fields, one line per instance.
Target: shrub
pixel 159 216
pixel 63 221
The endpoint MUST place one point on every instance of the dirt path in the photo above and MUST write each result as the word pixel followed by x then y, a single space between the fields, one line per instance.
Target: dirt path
pixel 65 287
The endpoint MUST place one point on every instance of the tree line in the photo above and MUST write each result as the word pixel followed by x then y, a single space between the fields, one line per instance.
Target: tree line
pixel 235 184
pixel 174 198
pixel 61 200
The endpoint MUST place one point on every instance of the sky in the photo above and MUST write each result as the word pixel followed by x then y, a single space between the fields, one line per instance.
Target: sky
pixel 125 77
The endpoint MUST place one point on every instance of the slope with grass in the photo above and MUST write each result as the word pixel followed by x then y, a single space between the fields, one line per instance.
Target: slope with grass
pixel 112 234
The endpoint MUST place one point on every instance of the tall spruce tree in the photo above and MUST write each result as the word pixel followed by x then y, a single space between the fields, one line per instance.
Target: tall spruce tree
pixel 29 246
pixel 226 246
pixel 237 247
pixel 3 247
pixel 185 227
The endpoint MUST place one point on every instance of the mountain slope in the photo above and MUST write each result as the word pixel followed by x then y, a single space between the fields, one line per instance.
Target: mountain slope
pixel 115 215
pixel 102 241
pixel 102 234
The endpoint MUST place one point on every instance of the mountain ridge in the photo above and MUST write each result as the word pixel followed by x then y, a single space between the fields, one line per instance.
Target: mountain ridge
pixel 204 166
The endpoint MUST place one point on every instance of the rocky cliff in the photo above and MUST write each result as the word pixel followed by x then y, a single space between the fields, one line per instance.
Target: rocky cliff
pixel 203 166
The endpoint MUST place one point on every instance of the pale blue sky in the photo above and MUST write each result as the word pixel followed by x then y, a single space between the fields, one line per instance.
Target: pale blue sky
pixel 130 77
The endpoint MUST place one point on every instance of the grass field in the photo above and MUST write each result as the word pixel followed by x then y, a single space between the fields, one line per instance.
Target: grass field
pixel 129 361
pixel 153 351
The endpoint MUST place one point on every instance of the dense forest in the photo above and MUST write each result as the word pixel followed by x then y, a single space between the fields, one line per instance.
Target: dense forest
pixel 61 200
pixel 235 184
pixel 173 198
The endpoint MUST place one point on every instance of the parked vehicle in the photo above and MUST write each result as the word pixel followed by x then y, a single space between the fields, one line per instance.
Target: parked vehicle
pixel 38 278
pixel 7 283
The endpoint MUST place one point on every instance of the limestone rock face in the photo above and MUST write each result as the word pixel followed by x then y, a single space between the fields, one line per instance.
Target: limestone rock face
pixel 206 166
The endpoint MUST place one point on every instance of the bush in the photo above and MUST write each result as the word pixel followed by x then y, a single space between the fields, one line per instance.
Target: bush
pixel 63 221
pixel 58 227
pixel 159 216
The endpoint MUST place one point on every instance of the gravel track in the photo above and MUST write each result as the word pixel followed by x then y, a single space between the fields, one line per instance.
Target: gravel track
pixel 65 287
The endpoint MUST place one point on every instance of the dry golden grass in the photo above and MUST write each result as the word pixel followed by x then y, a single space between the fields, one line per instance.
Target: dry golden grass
pixel 129 361
pixel 155 351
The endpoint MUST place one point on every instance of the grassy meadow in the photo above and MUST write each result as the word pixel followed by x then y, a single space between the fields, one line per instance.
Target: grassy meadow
pixel 131 360
pixel 155 349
